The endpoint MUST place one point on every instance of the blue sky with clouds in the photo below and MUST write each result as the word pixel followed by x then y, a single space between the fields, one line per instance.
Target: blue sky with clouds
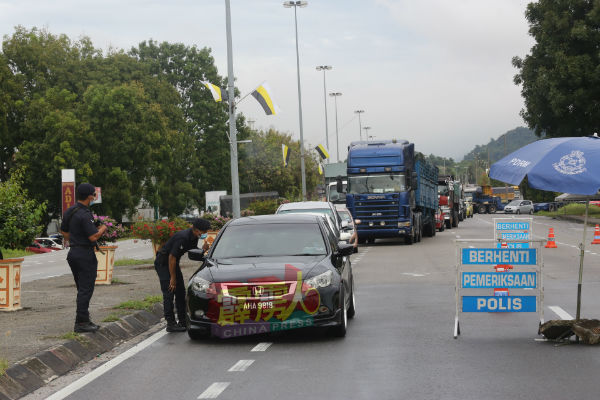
pixel 435 72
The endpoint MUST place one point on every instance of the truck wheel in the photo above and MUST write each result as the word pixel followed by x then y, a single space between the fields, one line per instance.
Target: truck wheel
pixel 448 223
pixel 433 230
pixel 361 240
pixel 408 239
pixel 461 216
pixel 481 209
pixel 420 234
pixel 492 209
pixel 455 220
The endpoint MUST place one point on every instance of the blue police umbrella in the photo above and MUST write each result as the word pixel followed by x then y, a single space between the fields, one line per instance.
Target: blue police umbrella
pixel 567 164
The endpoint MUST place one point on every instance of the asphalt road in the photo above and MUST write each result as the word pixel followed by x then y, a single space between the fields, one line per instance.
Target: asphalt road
pixel 48 265
pixel 400 344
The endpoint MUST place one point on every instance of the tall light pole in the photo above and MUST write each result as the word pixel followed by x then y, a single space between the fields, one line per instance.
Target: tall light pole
pixel 325 68
pixel 359 123
pixel 335 95
pixel 235 180
pixel 366 129
pixel 296 4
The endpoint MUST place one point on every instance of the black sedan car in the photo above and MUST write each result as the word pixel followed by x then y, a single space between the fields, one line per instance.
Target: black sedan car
pixel 271 273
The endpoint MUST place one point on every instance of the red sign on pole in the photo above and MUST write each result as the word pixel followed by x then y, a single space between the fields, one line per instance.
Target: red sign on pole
pixel 68 195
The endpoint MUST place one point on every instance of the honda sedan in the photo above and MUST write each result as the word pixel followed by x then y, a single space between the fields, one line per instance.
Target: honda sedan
pixel 271 273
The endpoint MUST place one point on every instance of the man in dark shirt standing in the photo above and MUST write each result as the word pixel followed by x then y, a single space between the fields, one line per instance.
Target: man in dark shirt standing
pixel 78 228
pixel 169 273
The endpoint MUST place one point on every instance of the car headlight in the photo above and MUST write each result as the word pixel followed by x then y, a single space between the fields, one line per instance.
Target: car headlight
pixel 320 281
pixel 402 224
pixel 199 284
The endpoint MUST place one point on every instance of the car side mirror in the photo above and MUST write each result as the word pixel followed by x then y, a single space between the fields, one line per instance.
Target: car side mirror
pixel 345 249
pixel 196 255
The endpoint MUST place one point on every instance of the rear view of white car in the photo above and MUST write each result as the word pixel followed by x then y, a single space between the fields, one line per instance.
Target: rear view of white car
pixel 519 207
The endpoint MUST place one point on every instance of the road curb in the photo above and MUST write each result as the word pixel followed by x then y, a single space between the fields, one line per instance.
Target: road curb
pixel 34 372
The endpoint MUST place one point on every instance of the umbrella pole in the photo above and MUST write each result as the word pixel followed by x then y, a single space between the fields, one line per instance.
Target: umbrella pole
pixel 581 254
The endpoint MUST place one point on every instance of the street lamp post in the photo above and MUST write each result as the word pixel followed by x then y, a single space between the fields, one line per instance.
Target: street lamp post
pixel 335 95
pixel 359 123
pixel 366 129
pixel 325 68
pixel 301 4
pixel 235 180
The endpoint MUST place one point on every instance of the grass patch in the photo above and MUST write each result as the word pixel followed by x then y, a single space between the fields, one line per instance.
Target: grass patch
pixel 3 365
pixel 9 253
pixel 74 336
pixel 132 261
pixel 573 209
pixel 115 316
pixel 117 281
pixel 145 304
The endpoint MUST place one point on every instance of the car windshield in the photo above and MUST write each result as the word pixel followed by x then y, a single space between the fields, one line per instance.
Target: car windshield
pixel 392 183
pixel 345 215
pixel 269 240
pixel 514 203
pixel 326 211
pixel 443 190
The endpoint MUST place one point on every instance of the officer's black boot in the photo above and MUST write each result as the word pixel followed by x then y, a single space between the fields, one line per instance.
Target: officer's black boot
pixel 88 326
pixel 173 326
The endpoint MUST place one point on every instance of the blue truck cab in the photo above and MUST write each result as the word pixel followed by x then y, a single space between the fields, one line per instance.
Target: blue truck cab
pixel 389 192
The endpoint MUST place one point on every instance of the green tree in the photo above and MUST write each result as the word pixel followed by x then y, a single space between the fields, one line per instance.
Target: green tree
pixel 262 170
pixel 20 216
pixel 561 77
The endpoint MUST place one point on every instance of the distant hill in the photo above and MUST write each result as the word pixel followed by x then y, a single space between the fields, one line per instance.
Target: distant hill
pixel 515 139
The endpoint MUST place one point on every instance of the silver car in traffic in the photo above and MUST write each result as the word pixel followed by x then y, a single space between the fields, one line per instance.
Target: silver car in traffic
pixel 519 207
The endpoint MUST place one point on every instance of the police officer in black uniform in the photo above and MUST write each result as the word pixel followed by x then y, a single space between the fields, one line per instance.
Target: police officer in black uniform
pixel 166 265
pixel 78 228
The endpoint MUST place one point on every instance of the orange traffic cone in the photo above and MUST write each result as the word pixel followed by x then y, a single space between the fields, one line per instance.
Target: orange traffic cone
pixel 551 244
pixel 596 235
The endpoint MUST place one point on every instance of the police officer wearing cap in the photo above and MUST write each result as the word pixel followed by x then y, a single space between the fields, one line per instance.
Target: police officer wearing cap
pixel 167 267
pixel 78 228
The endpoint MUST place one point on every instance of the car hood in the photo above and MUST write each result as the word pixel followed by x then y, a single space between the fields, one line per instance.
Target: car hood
pixel 262 268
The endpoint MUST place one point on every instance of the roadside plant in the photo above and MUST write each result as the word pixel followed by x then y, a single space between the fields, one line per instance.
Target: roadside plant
pixel 113 232
pixel 216 221
pixel 158 231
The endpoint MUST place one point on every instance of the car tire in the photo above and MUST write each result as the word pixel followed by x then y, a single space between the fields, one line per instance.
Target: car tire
pixel 362 240
pixel 531 212
pixel 352 308
pixel 518 211
pixel 442 227
pixel 340 330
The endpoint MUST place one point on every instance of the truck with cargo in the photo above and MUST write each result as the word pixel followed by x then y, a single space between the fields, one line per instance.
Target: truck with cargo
pixel 449 196
pixel 484 202
pixel 390 192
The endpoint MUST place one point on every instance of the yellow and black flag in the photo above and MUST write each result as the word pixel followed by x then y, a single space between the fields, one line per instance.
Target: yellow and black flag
pixel 263 95
pixel 217 93
pixel 322 151
pixel 320 169
pixel 286 154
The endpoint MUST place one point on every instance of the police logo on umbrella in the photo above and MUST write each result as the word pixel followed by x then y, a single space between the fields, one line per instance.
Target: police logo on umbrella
pixel 571 164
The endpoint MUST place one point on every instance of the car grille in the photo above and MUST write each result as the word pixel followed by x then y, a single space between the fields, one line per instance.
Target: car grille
pixel 258 291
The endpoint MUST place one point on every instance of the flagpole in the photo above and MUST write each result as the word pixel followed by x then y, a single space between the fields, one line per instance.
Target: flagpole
pixel 235 181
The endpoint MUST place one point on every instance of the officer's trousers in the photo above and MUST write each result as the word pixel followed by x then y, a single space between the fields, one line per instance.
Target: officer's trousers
pixel 84 266
pixel 177 296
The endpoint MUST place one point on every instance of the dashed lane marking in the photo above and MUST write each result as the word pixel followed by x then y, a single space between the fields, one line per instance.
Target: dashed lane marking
pixel 560 312
pixel 241 365
pixel 262 346
pixel 214 390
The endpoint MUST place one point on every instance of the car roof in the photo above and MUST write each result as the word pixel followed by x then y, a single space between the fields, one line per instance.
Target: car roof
pixel 305 204
pixel 307 218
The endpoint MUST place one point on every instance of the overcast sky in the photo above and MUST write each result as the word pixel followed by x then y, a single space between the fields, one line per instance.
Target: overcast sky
pixel 435 72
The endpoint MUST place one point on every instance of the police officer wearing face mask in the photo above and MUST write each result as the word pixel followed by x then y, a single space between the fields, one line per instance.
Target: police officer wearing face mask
pixel 166 265
pixel 78 228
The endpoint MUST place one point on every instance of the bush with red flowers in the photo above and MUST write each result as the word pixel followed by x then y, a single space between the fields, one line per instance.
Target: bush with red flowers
pixel 159 231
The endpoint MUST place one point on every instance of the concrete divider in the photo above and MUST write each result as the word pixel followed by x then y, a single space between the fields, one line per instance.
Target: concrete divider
pixel 34 372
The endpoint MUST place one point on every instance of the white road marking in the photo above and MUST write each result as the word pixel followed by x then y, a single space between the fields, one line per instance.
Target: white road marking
pixel 458 236
pixel 214 390
pixel 413 274
pixel 241 365
pixel 84 380
pixel 262 346
pixel 560 312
